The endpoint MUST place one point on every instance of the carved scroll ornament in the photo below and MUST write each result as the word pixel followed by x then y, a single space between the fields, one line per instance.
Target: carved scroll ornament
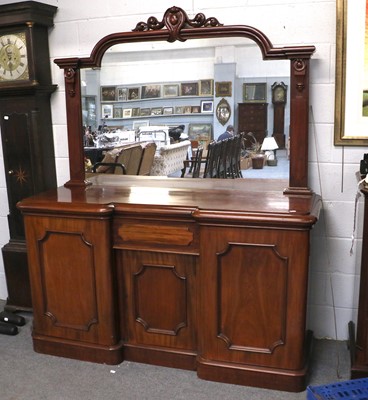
pixel 174 20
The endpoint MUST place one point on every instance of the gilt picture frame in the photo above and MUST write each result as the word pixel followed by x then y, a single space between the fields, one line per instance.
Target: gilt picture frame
pixel 350 126
pixel 189 89
pixel 224 89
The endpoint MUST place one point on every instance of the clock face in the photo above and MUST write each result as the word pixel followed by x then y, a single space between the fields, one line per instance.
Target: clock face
pixel 13 57
pixel 279 94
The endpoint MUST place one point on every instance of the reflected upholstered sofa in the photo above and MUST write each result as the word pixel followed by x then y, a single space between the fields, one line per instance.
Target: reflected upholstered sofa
pixel 170 158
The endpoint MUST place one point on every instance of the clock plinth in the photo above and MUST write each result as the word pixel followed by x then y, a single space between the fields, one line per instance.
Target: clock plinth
pixel 26 128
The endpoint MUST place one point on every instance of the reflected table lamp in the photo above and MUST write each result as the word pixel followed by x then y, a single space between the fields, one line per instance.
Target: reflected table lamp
pixel 269 146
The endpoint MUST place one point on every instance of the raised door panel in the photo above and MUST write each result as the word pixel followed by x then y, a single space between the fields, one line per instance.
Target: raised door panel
pixel 71 279
pixel 252 306
pixel 158 295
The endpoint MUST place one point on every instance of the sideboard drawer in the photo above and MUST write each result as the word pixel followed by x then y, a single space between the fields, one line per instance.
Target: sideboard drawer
pixel 159 234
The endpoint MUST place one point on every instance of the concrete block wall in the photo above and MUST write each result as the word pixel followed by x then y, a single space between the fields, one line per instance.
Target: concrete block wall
pixel 334 271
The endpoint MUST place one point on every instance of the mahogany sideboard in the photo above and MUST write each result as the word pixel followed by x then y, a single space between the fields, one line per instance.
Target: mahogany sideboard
pixel 163 272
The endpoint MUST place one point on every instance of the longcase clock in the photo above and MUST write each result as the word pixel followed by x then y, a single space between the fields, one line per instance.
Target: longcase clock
pixel 279 94
pixel 26 128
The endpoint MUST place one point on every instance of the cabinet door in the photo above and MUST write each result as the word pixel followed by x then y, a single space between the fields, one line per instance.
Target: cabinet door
pixel 158 302
pixel 72 280
pixel 253 297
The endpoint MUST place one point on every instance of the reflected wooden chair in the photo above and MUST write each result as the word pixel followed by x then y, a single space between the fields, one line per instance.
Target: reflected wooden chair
pixel 194 164
pixel 212 161
pixel 147 159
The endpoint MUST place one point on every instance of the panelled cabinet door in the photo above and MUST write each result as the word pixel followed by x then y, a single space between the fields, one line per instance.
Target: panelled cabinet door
pixel 252 308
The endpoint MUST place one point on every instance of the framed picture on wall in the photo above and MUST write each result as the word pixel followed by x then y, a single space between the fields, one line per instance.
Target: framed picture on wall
pixel 139 124
pixel 122 93
pixel 171 90
pixel 118 112
pixel 145 112
pixel 254 92
pixel 156 111
pixel 187 109
pixel 206 106
pixel 201 133
pixel 134 93
pixel 107 111
pixel 151 91
pixel 136 112
pixel 351 74
pixel 127 113
pixel 108 93
pixel 189 89
pixel 224 89
pixel 168 110
pixel 206 87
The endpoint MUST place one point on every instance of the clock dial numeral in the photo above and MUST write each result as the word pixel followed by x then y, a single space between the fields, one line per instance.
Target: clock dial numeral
pixel 13 57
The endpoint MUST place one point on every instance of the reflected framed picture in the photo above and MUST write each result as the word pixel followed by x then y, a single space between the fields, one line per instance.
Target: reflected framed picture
pixel 179 110
pixel 118 112
pixel 189 89
pixel 254 92
pixel 206 106
pixel 145 112
pixel 127 112
pixel 108 93
pixel 156 111
pixel 134 93
pixel 136 112
pixel 139 124
pixel 168 110
pixel 151 91
pixel 107 111
pixel 122 93
pixel 201 133
pixel 187 109
pixel 171 90
pixel 196 109
pixel 206 87
pixel 224 89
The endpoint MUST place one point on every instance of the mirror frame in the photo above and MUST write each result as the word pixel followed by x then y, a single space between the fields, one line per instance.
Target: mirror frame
pixel 176 25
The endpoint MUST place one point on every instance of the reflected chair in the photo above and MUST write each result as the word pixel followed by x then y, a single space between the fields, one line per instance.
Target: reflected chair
pixel 194 164
pixel 130 157
pixel 147 159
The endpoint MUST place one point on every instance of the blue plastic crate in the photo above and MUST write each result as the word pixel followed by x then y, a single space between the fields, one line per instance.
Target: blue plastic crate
pixel 356 389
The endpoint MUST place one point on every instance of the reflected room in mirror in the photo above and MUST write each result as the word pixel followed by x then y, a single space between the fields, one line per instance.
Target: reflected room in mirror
pixel 173 84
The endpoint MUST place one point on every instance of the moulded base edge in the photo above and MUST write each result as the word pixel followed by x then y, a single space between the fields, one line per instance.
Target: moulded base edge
pixel 165 357
pixel 248 375
pixel 110 355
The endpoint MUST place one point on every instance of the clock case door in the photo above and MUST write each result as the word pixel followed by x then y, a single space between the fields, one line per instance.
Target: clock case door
pixel 27 137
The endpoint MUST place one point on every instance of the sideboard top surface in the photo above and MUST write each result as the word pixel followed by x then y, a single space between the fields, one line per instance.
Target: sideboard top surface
pixel 198 198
